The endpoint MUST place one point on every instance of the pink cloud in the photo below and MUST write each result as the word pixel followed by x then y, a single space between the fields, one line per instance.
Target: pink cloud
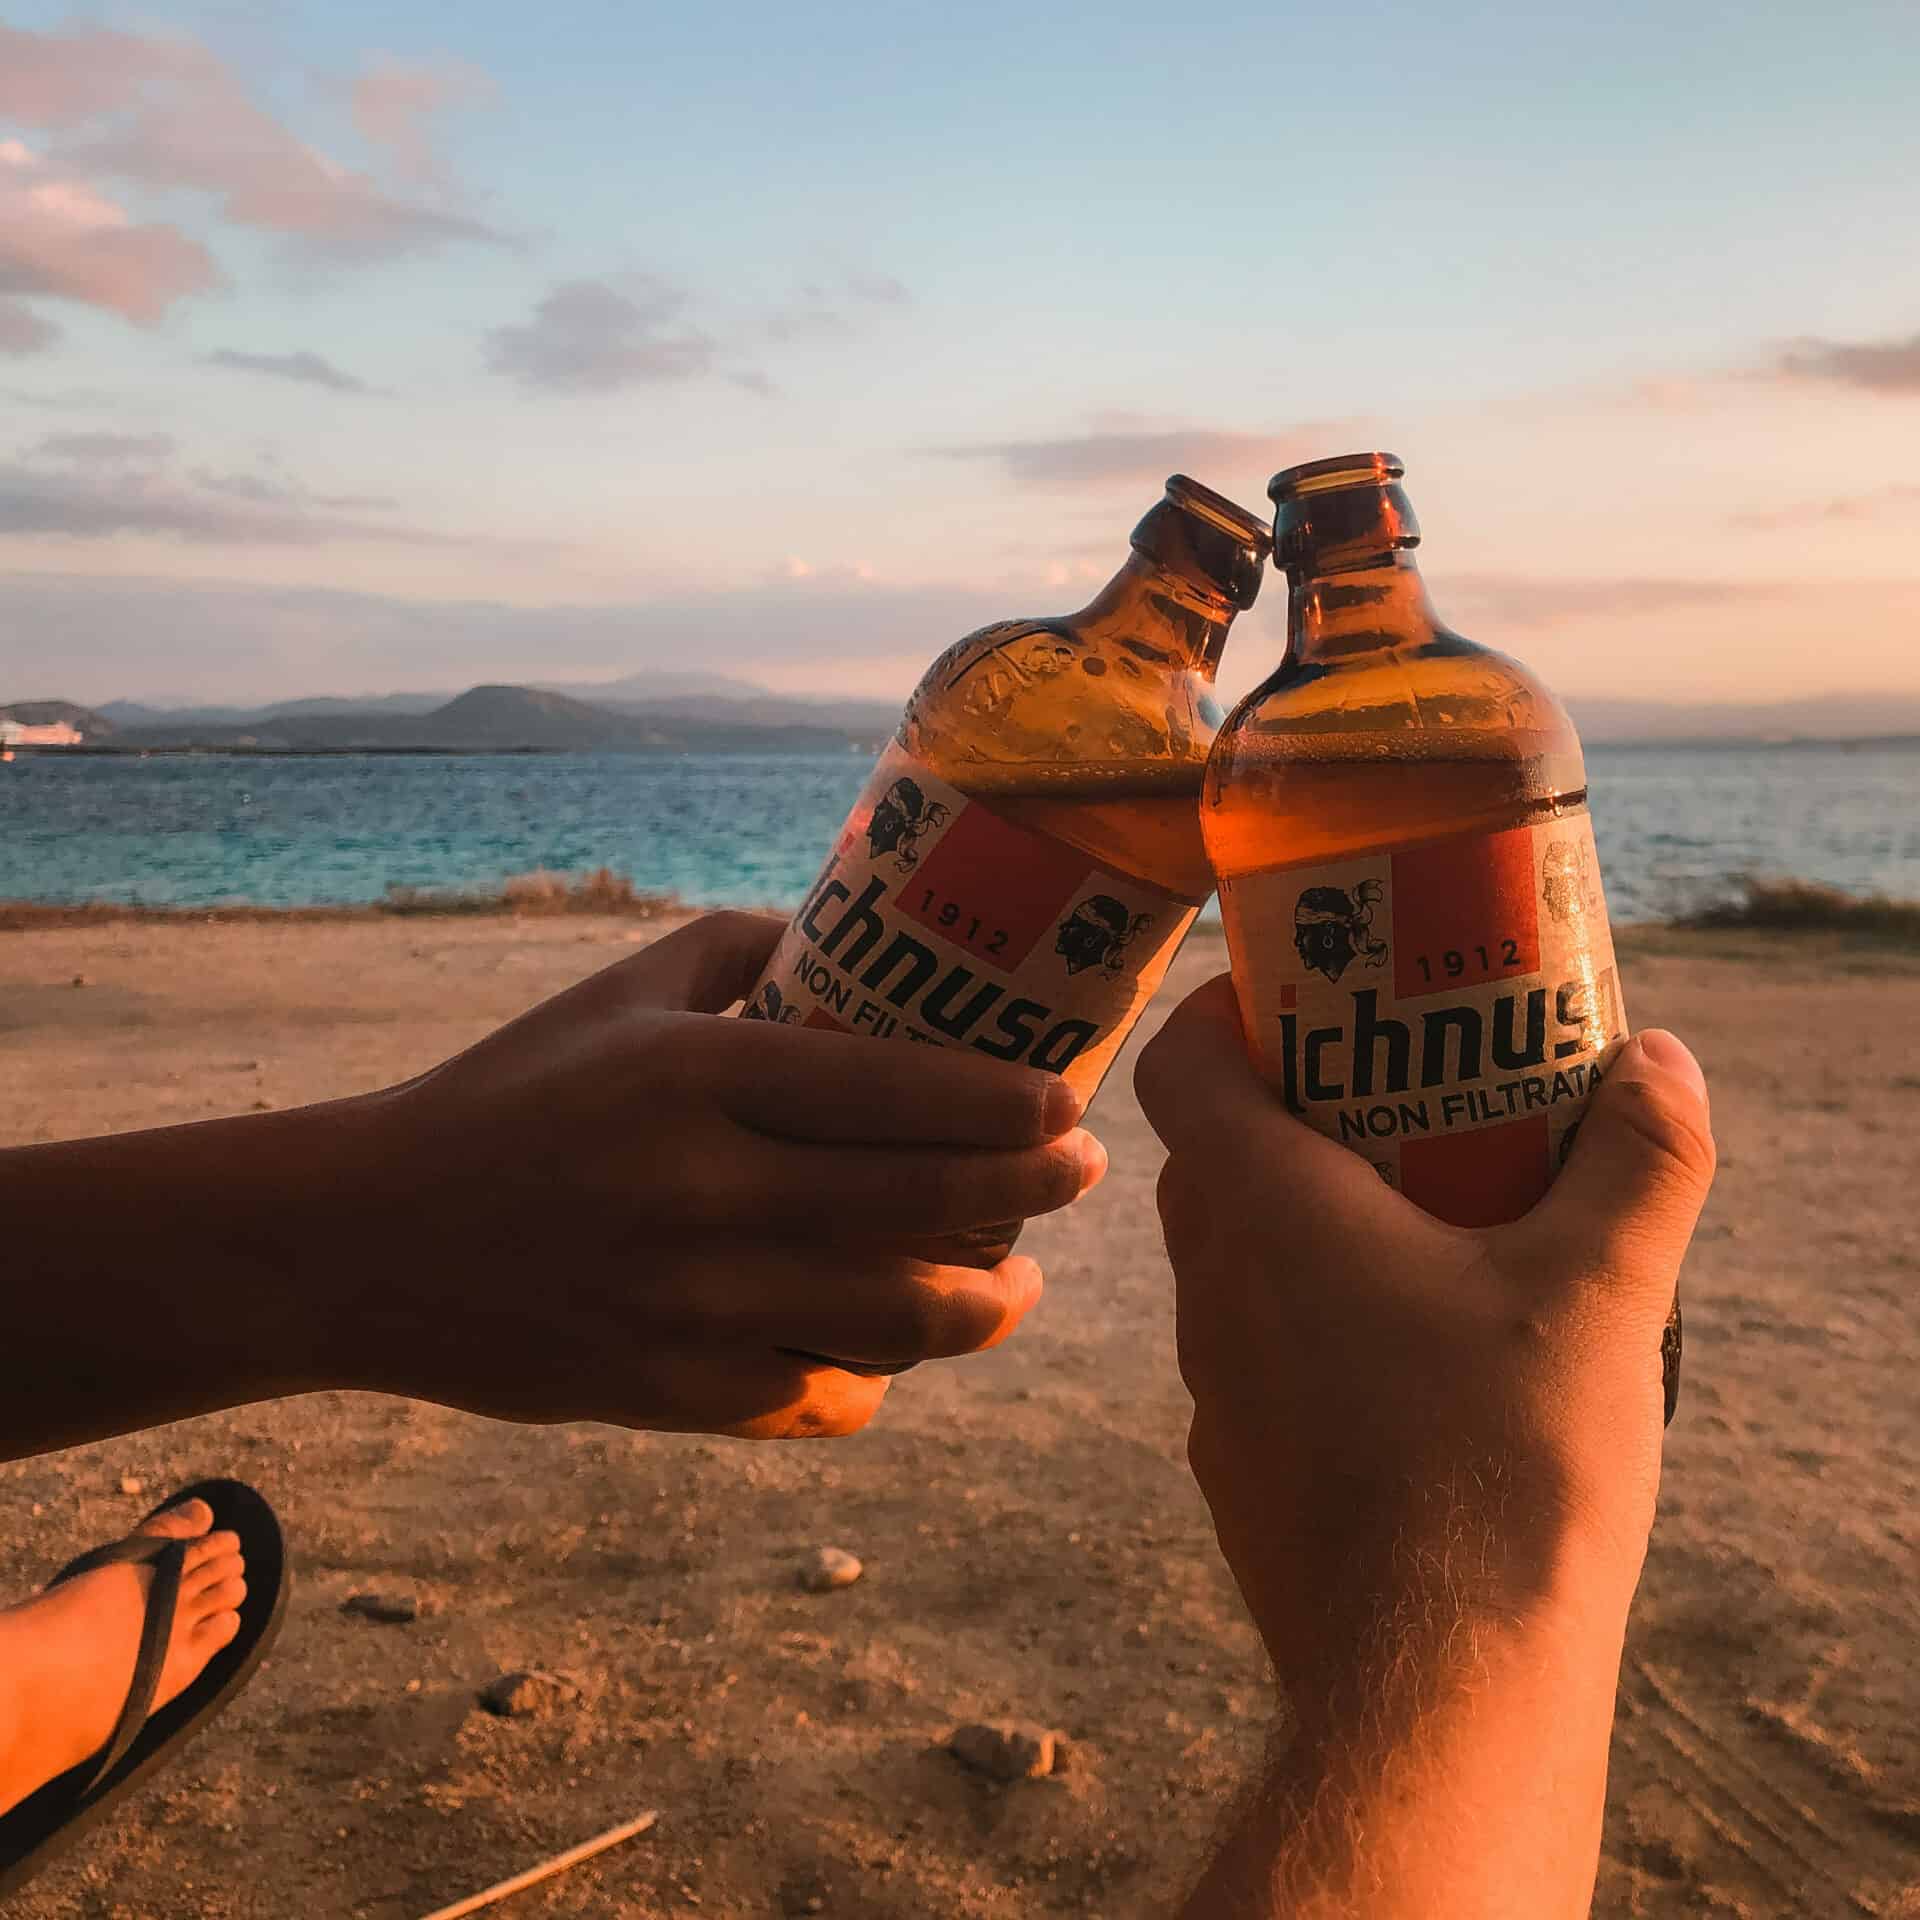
pixel 395 103
pixel 61 239
pixel 170 113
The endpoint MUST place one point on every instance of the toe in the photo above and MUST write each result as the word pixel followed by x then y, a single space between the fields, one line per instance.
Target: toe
pixel 215 1632
pixel 185 1522
pixel 211 1573
pixel 223 1598
pixel 216 1546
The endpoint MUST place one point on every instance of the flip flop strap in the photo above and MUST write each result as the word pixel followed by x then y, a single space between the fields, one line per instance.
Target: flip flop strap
pixel 168 1558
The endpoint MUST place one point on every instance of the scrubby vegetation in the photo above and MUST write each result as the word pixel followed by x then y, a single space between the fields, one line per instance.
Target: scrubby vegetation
pixel 1804 906
pixel 525 894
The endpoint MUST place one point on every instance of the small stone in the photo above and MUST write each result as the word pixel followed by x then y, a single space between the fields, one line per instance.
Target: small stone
pixel 803 1893
pixel 1007 1750
pixel 413 1686
pixel 390 1609
pixel 827 1568
pixel 130 1484
pixel 524 1695
pixel 80 980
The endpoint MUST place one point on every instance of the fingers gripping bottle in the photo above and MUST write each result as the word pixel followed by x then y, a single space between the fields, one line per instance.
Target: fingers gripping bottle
pixel 1026 858
pixel 1397 820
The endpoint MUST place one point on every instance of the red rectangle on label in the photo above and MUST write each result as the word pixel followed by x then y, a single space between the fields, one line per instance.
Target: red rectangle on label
pixel 1464 912
pixel 991 887
pixel 1482 1178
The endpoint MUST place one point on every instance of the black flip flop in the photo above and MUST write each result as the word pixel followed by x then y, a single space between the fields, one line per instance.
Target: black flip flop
pixel 50 1820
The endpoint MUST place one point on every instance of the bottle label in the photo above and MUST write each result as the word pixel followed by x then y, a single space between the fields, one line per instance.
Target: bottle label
pixel 936 920
pixel 1446 1010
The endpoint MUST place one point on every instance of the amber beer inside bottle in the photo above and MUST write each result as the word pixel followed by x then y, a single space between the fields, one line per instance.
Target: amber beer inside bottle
pixel 1026 857
pixel 1397 819
pixel 1094 728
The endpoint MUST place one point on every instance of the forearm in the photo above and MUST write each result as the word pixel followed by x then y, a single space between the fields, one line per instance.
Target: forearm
pixel 151 1276
pixel 1454 1770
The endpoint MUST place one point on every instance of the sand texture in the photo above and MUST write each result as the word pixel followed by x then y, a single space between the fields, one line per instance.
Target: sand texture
pixel 1032 1546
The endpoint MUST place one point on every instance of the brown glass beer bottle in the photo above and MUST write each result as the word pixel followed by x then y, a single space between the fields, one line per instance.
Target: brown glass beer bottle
pixel 1026 857
pixel 1397 821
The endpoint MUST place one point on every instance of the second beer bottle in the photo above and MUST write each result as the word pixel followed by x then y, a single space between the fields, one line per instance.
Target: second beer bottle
pixel 1026 857
pixel 1398 822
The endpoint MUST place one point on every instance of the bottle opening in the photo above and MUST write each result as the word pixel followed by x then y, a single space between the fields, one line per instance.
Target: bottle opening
pixel 1218 511
pixel 1343 470
pixel 1202 535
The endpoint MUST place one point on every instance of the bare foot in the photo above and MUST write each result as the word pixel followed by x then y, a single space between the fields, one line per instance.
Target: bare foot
pixel 67 1657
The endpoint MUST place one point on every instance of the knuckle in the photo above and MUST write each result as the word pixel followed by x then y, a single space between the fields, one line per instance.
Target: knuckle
pixel 1675 1132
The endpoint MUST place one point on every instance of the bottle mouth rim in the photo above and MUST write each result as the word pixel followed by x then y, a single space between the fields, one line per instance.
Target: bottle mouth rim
pixel 1218 511
pixel 1342 470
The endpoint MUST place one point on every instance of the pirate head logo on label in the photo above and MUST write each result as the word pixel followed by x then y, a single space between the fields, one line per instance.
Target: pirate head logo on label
pixel 1332 928
pixel 768 1004
pixel 1096 932
pixel 901 818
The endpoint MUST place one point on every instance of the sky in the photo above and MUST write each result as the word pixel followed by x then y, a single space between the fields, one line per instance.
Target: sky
pixel 348 349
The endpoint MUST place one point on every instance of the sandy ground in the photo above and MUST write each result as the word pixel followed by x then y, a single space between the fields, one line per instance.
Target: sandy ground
pixel 1033 1545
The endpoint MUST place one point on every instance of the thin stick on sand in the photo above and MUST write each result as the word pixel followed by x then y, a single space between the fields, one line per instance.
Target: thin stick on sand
pixel 547 1868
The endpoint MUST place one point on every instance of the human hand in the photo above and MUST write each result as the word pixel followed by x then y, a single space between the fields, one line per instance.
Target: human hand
pixel 1381 1398
pixel 622 1208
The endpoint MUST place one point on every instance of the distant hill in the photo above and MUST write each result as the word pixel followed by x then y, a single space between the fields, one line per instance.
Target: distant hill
pixel 50 713
pixel 491 719
pixel 1833 716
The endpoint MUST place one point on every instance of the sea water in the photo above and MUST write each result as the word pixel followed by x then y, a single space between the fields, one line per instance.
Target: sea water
pixel 1677 827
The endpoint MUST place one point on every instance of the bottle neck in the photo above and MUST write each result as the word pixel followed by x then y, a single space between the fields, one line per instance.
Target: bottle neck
pixel 1162 615
pixel 1335 613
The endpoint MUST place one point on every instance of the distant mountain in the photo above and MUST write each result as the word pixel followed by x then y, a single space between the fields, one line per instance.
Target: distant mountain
pixel 864 719
pixel 1830 716
pixel 50 713
pixel 646 688
pixel 490 719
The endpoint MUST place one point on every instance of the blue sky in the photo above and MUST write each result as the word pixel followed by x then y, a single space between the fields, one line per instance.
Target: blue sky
pixel 345 348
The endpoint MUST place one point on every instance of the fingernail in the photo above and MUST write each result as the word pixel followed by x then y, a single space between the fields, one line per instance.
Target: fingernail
pixel 1060 1109
pixel 1671 1054
pixel 1093 1160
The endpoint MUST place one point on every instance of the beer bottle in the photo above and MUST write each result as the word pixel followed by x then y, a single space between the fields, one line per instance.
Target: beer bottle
pixel 1397 820
pixel 1024 861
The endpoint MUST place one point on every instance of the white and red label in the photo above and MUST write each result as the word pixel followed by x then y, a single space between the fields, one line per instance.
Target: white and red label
pixel 936 920
pixel 1445 1010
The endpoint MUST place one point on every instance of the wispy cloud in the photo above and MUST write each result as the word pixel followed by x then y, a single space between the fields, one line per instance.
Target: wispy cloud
pixel 1849 509
pixel 589 336
pixel 264 490
pixel 1878 366
pixel 104 449
pixel 398 103
pixel 1113 458
pixel 168 112
pixel 62 240
pixel 311 369
pixel 95 486
pixel 1534 601
pixel 23 331
pixel 818 309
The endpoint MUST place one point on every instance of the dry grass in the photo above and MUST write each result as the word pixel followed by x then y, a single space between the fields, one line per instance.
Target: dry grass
pixel 1804 906
pixel 524 894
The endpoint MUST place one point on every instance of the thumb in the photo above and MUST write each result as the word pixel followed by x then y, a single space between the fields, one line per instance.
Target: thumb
pixel 703 967
pixel 1639 1172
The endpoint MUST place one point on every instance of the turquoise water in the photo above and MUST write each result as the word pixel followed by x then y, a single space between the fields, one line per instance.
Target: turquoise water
pixel 1676 827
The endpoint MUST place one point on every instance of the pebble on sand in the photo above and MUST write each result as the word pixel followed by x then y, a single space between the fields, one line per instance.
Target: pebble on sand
pixel 522 1695
pixel 1006 1750
pixel 391 1609
pixel 826 1568
pixel 130 1484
